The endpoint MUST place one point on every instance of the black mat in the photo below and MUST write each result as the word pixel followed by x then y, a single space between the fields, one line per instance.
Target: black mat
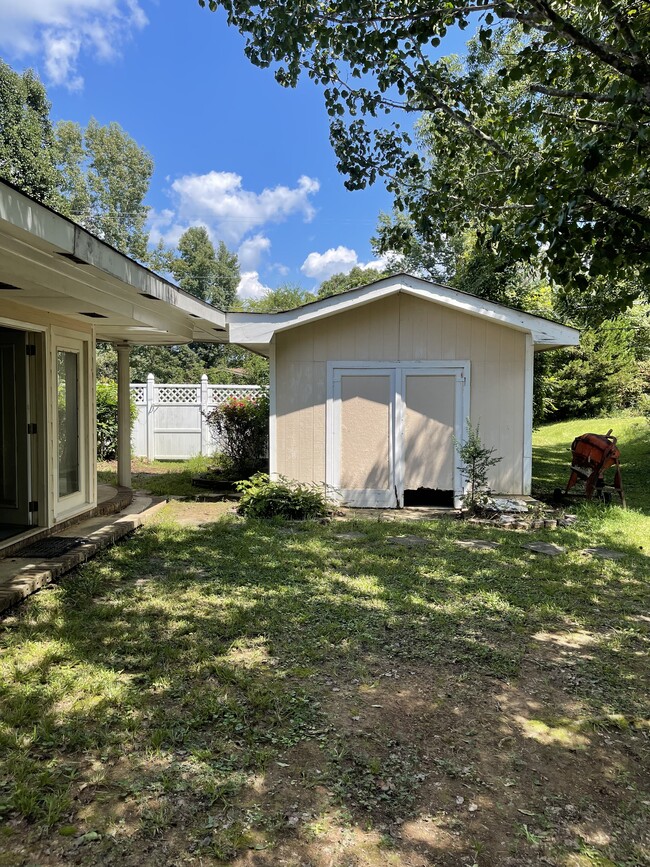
pixel 51 546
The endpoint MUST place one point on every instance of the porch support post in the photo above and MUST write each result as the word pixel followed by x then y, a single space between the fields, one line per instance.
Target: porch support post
pixel 123 416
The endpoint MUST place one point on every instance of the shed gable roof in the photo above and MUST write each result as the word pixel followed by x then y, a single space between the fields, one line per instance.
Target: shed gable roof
pixel 256 330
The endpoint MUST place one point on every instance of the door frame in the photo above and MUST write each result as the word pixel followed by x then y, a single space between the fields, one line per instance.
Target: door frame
pixel 36 464
pixel 398 371
pixel 369 497
pixel 69 341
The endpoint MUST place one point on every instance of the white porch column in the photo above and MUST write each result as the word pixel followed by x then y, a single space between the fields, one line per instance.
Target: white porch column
pixel 123 416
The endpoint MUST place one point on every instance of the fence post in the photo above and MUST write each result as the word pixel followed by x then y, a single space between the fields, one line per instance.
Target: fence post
pixel 205 430
pixel 150 420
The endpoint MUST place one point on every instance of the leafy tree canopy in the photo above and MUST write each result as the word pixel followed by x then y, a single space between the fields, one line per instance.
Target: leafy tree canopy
pixel 212 275
pixel 547 122
pixel 27 153
pixel 285 297
pixel 106 176
pixel 356 277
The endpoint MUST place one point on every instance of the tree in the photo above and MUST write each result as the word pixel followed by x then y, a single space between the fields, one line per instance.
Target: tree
pixel 212 276
pixel 285 297
pixel 548 121
pixel 596 377
pixel 352 280
pixel 106 176
pixel 27 152
pixel 434 259
pixel 227 277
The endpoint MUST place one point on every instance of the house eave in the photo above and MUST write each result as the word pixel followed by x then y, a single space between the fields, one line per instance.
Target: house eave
pixel 54 265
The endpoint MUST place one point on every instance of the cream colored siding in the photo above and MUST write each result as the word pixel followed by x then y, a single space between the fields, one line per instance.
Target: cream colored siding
pixel 400 327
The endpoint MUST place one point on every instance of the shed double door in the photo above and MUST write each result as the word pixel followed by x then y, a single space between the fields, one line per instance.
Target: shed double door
pixel 391 431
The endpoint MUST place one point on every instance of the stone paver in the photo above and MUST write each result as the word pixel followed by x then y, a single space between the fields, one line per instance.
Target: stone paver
pixel 350 537
pixel 477 544
pixel 603 553
pixel 22 576
pixel 408 541
pixel 549 548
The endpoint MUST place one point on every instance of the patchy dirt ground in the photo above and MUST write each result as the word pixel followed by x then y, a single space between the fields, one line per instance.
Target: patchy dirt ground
pixel 273 695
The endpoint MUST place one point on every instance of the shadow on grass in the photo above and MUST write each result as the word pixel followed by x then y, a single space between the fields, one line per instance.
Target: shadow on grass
pixel 219 689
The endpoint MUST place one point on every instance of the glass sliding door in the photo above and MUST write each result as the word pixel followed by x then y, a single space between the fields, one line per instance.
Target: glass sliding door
pixel 68 404
pixel 14 457
pixel 73 426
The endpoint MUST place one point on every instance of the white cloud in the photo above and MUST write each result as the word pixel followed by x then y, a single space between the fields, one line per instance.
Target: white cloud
pixel 336 260
pixel 219 200
pixel 250 285
pixel 251 251
pixel 61 53
pixel 58 32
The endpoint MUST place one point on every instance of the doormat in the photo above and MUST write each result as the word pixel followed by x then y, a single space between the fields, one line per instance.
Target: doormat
pixel 51 546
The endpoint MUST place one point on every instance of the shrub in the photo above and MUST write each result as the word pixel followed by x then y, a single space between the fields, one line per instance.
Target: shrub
pixel 107 419
pixel 242 427
pixel 475 461
pixel 263 497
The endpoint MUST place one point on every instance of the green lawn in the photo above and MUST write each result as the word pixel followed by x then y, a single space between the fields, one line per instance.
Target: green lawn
pixel 263 694
pixel 160 478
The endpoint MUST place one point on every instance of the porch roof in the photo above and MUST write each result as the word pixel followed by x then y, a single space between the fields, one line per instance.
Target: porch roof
pixel 49 263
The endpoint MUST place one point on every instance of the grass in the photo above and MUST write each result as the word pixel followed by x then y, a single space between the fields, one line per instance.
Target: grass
pixel 551 459
pixel 160 478
pixel 259 693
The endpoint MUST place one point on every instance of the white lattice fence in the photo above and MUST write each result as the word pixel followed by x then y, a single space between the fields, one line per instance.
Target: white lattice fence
pixel 170 424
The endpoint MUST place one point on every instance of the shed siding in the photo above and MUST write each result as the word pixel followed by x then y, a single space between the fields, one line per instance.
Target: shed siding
pixel 400 327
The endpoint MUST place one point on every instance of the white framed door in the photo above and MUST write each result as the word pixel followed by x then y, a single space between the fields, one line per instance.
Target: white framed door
pixel 361 453
pixel 391 428
pixel 433 407
pixel 71 424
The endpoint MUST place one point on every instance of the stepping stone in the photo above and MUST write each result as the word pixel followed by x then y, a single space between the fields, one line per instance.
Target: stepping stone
pixel 604 553
pixel 408 541
pixel 351 537
pixel 545 548
pixel 477 544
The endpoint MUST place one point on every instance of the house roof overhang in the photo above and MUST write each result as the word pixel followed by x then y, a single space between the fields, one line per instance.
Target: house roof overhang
pixel 257 330
pixel 49 263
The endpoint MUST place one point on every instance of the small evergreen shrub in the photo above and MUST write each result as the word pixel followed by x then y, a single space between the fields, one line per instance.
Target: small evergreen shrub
pixel 475 461
pixel 242 426
pixel 107 419
pixel 263 497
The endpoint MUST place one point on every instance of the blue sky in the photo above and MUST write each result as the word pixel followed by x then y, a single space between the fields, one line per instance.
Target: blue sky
pixel 233 150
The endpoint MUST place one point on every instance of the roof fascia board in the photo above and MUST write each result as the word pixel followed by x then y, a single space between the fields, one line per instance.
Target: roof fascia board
pixel 259 328
pixel 36 220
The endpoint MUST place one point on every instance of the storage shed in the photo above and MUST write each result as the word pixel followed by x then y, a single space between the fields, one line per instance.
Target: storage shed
pixel 369 388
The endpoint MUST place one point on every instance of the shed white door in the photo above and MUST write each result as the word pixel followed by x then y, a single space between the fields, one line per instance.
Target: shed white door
pixel 363 455
pixel 391 430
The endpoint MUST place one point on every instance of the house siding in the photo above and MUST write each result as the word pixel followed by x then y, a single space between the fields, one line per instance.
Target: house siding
pixel 400 327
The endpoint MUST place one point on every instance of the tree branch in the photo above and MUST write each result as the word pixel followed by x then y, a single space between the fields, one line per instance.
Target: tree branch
pixel 587 95
pixel 569 118
pixel 622 210
pixel 639 72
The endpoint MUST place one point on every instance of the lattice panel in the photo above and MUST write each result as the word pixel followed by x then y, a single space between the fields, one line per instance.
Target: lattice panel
pixel 219 393
pixel 139 393
pixel 179 394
